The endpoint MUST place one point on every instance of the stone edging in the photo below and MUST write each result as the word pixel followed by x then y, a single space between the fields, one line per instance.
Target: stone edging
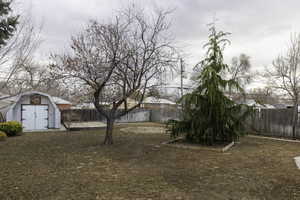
pixel 228 147
pixel 272 138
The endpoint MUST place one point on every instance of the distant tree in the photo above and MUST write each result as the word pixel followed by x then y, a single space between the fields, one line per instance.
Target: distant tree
pixel 284 75
pixel 33 76
pixel 263 95
pixel 209 116
pixel 18 51
pixel 239 70
pixel 153 92
pixel 118 59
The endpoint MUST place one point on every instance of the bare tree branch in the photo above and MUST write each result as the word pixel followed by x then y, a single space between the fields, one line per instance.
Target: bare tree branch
pixel 118 59
pixel 285 75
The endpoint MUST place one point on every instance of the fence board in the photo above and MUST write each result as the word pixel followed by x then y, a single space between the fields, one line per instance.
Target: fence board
pixel 274 122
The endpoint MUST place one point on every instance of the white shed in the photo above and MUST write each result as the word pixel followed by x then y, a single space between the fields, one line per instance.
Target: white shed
pixel 35 110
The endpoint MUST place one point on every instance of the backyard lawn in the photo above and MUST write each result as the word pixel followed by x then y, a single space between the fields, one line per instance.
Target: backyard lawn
pixel 62 166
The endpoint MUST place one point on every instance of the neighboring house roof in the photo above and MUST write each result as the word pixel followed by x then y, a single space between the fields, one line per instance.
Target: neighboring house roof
pixel 251 102
pixel 153 100
pixel 84 105
pixel 5 103
pixel 7 100
pixel 269 106
pixel 88 105
pixel 4 96
pixel 59 100
pixel 280 105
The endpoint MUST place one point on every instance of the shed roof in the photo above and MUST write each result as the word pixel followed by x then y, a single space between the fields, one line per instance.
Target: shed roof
pixel 8 100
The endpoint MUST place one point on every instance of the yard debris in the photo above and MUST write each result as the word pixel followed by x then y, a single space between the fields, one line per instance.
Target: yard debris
pixel 173 140
pixel 297 161
pixel 228 147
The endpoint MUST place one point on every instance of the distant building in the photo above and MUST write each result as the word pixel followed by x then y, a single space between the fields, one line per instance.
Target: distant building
pixel 252 102
pixel 90 105
pixel 280 106
pixel 158 103
pixel 62 103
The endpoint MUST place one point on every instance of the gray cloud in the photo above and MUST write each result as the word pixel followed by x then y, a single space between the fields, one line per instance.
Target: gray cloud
pixel 260 29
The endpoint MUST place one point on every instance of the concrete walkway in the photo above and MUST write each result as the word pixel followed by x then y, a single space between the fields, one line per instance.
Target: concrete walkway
pixel 62 128
pixel 85 125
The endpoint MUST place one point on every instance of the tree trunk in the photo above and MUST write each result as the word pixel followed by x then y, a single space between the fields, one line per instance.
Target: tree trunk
pixel 295 119
pixel 109 131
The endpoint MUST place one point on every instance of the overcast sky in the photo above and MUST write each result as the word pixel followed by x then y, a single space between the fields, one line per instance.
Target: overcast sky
pixel 260 28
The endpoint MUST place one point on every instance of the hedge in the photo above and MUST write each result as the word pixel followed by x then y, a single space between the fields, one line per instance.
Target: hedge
pixel 11 128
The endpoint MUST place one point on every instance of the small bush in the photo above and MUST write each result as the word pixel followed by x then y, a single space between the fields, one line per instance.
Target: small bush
pixel 3 136
pixel 11 128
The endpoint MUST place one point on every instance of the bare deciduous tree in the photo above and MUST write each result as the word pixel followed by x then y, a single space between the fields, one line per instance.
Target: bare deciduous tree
pixel 285 75
pixel 34 76
pixel 239 70
pixel 118 59
pixel 263 95
pixel 19 50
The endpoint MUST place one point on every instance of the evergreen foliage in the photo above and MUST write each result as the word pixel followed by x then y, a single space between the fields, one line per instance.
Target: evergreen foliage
pixel 7 23
pixel 209 116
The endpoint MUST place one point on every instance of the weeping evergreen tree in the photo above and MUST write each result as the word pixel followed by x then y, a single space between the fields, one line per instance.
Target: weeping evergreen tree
pixel 209 116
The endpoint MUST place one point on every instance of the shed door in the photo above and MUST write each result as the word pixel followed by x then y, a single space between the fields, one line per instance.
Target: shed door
pixel 35 117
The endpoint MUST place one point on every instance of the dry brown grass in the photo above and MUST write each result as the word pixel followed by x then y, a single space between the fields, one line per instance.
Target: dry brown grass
pixel 76 166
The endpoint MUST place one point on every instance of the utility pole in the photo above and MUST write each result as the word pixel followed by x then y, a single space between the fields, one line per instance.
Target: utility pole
pixel 181 76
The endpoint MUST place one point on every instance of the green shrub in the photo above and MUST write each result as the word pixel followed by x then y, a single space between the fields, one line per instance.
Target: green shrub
pixel 3 136
pixel 11 128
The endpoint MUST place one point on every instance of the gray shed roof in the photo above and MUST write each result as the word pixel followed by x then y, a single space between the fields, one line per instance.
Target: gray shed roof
pixel 7 100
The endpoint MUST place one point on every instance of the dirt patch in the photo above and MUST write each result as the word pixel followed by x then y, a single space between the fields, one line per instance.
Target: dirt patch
pixel 144 130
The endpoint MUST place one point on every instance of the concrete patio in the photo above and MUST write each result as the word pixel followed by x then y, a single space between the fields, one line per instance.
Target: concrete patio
pixel 85 125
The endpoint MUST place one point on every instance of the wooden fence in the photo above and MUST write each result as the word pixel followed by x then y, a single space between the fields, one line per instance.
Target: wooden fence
pixel 267 122
pixel 138 115
pixel 85 115
pixel 81 115
pixel 274 122
pixel 163 115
